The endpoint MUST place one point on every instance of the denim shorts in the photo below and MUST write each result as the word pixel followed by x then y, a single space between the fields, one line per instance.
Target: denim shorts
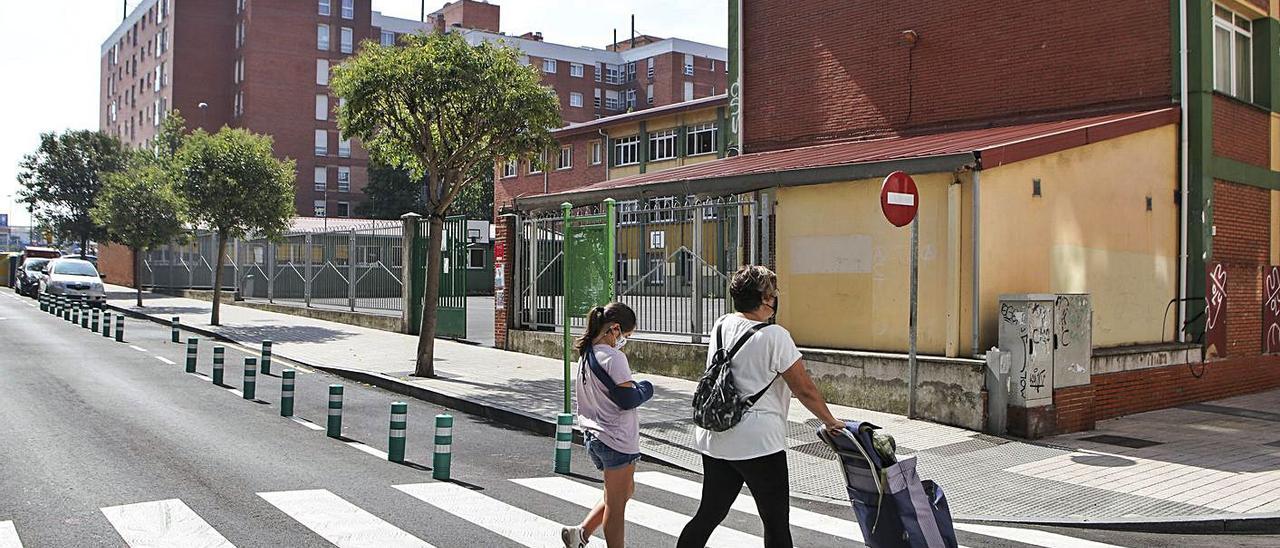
pixel 604 457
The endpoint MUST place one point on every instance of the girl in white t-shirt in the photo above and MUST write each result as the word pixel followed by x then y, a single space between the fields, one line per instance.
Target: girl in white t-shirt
pixel 753 451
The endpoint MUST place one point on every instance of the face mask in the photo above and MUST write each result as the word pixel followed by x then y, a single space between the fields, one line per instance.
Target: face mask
pixel 777 303
pixel 621 342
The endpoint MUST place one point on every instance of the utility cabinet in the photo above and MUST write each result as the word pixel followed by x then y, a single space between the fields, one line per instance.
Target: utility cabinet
pixel 1048 340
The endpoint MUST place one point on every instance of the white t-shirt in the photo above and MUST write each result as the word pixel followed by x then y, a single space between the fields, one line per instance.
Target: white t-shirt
pixel 763 429
pixel 616 427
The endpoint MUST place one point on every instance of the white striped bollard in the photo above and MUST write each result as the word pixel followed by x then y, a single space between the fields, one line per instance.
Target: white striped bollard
pixel 286 393
pixel 120 328
pixel 335 411
pixel 443 456
pixel 176 335
pixel 93 325
pixel 84 316
pixel 192 353
pixel 75 314
pixel 266 357
pixel 564 442
pixel 395 439
pixel 106 324
pixel 250 378
pixel 219 362
pixel 44 302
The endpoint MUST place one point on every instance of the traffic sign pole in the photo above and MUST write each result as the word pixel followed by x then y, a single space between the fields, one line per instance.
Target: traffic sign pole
pixel 900 202
pixel 915 288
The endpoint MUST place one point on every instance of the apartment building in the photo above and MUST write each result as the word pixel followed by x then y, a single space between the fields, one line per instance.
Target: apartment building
pixel 264 65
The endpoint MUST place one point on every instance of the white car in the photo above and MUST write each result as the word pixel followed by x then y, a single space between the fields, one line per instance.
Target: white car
pixel 73 278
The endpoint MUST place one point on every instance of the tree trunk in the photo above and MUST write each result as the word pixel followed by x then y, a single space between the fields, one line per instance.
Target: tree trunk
pixel 217 277
pixel 430 300
pixel 137 274
pixel 84 246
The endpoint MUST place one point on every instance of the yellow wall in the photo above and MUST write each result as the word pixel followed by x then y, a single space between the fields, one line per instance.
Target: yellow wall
pixel 658 124
pixel 1089 232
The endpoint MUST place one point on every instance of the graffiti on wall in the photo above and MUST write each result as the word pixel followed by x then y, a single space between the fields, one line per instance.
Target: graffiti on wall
pixel 1072 322
pixel 1034 327
pixel 1271 311
pixel 1215 312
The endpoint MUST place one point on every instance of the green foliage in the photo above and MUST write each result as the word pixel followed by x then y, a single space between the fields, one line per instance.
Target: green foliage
pixel 233 183
pixel 138 207
pixel 61 180
pixel 170 137
pixel 391 192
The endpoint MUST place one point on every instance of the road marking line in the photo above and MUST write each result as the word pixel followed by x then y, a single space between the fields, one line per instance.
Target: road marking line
pixel 236 392
pixel 9 535
pixel 138 348
pixel 165 360
pixel 163 523
pixel 340 522
pixel 307 423
pixel 639 513
pixel 1034 537
pixel 512 523
pixel 801 518
pixel 380 454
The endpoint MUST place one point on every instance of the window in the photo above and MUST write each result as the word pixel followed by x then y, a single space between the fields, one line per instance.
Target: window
pixel 662 145
pixel 509 168
pixel 713 64
pixel 649 94
pixel 631 71
pixel 628 212
pixel 575 99
pixel 597 71
pixel 344 210
pixel 388 38
pixel 535 164
pixel 344 148
pixel 662 210
pixel 612 74
pixel 322 142
pixel 549 66
pixel 650 69
pixel 239 71
pixel 322 179
pixel 626 151
pixel 238 108
pixel 322 72
pixel 319 208
pixel 344 179
pixel 565 159
pixel 346 40
pixel 595 153
pixel 631 99
pixel 611 100
pixel 155 114
pixel 701 139
pixel 623 273
pixel 596 101
pixel 475 259
pixel 322 37
pixel 1232 54
pixel 322 107
pixel 324 7
pixel 157 77
pixel 348 9
pixel 688 91
pixel 688 64
pixel 657 268
pixel 575 70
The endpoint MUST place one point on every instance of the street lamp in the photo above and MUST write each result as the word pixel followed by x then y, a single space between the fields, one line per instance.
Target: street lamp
pixel 204 114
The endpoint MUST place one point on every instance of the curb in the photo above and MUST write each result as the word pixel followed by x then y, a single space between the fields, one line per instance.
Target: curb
pixel 507 416
pixel 1268 523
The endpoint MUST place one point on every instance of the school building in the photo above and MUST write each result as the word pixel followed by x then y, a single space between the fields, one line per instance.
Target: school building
pixel 1126 151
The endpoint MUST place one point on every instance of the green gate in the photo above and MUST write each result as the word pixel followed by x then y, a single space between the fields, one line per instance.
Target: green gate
pixel 451 313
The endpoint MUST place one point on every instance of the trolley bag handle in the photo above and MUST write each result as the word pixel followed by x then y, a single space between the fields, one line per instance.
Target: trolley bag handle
pixel 825 436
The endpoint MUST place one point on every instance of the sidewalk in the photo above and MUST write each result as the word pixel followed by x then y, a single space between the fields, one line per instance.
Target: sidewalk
pixel 1196 461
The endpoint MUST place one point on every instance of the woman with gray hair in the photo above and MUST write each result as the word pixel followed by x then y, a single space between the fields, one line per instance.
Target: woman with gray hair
pixel 754 450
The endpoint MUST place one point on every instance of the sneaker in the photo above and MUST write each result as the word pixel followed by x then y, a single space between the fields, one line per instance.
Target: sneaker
pixel 573 537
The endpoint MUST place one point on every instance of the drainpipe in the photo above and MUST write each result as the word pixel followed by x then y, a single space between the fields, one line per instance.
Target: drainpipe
pixel 1184 160
pixel 976 296
pixel 604 151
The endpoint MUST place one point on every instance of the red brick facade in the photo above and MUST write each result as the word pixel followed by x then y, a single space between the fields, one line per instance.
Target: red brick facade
pixel 1242 217
pixel 806 81
pixel 504 297
pixel 115 262
pixel 1241 131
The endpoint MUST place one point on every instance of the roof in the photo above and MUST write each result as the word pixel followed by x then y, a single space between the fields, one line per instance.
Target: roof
pixel 977 149
pixel 331 224
pixel 665 110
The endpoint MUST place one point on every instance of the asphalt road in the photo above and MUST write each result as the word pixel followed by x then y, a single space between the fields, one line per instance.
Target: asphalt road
pixel 113 444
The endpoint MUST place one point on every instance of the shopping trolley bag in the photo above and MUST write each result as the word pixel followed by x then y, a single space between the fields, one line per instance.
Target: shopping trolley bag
pixel 893 506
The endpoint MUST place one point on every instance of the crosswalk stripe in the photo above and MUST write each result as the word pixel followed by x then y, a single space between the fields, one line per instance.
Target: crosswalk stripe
pixel 165 360
pixel 1033 537
pixel 512 523
pixel 163 523
pixel 639 513
pixel 340 522
pixel 370 450
pixel 801 518
pixel 9 535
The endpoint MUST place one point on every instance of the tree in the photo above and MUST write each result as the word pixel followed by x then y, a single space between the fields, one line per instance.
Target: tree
pixel 392 192
pixel 62 178
pixel 233 184
pixel 139 207
pixel 441 108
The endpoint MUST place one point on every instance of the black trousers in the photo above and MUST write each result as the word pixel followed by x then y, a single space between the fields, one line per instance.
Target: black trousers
pixel 765 476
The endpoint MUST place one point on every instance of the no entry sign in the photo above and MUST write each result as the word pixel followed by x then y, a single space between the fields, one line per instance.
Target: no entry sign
pixel 899 198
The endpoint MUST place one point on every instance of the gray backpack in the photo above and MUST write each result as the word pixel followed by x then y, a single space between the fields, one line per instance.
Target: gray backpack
pixel 717 405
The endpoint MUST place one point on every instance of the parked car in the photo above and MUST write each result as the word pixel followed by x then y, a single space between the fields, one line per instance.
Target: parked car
pixel 30 271
pixel 73 278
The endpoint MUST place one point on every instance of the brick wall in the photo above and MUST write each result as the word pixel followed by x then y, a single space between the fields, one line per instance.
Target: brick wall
pixel 1242 216
pixel 821 71
pixel 507 189
pixel 116 263
pixel 203 45
pixel 1241 131
pixel 505 232
pixel 1119 394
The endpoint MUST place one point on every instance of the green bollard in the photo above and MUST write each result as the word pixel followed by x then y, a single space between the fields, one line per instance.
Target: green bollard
pixel 176 335
pixel 75 314
pixel 444 447
pixel 250 378
pixel 286 393
pixel 44 302
pixel 335 411
pixel 192 353
pixel 219 354
pixel 120 328
pixel 395 440
pixel 84 316
pixel 266 357
pixel 106 324
pixel 564 442
pixel 93 326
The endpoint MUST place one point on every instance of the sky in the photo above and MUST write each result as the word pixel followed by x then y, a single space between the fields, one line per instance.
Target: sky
pixel 53 81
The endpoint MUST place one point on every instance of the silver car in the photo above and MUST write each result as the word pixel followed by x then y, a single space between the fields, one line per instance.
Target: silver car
pixel 73 278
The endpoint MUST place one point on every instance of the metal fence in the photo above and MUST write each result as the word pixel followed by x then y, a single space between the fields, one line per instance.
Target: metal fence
pixel 355 269
pixel 674 259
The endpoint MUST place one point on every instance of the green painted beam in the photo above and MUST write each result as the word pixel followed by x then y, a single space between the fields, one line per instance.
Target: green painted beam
pixel 1200 147
pixel 1266 63
pixel 643 146
pixel 1245 174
